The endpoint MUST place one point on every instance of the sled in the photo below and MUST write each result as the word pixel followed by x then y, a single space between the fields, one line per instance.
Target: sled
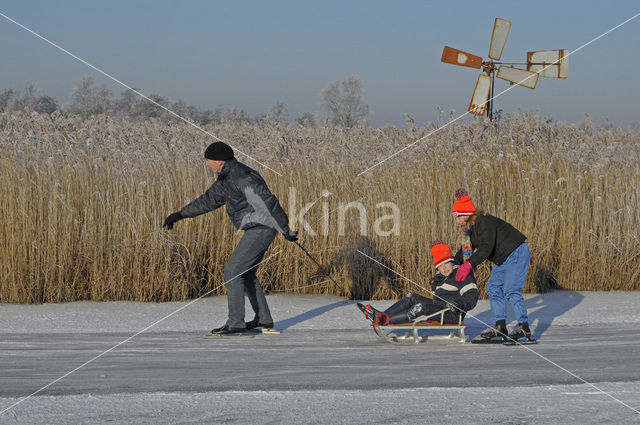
pixel 433 322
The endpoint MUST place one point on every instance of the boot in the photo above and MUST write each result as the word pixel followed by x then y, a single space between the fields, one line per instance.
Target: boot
pixel 521 331
pixel 217 330
pixel 256 324
pixel 498 331
pixel 382 319
pixel 369 312
pixel 227 330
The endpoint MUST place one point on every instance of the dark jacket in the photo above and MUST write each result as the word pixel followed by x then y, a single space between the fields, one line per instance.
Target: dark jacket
pixel 447 289
pixel 249 201
pixel 492 239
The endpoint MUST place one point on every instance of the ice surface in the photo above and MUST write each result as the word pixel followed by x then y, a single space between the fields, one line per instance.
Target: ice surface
pixel 296 311
pixel 561 405
pixel 326 368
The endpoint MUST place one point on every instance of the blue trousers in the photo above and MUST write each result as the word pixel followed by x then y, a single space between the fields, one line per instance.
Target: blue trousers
pixel 506 282
pixel 240 276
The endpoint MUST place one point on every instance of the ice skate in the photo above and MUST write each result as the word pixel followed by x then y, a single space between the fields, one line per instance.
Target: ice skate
pixel 256 324
pixel 264 328
pixel 522 333
pixel 493 335
pixel 227 332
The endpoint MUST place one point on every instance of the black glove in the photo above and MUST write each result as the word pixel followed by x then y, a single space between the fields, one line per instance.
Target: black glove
pixel 291 235
pixel 456 306
pixel 168 223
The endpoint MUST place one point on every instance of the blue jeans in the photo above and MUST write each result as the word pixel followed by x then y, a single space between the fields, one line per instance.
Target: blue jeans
pixel 506 281
pixel 240 276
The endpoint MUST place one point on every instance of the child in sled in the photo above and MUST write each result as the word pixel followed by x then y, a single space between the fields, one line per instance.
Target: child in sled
pixel 458 297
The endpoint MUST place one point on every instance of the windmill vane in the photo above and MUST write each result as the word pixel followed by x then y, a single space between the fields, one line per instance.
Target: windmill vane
pixel 542 63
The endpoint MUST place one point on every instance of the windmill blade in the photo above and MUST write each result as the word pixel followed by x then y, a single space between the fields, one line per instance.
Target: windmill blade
pixel 480 97
pixel 518 76
pixel 458 57
pixel 499 38
pixel 549 63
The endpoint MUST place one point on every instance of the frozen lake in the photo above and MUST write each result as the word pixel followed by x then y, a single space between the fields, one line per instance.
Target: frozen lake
pixel 326 367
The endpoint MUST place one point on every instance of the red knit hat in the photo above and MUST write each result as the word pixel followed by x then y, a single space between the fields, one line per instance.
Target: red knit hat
pixel 463 205
pixel 441 253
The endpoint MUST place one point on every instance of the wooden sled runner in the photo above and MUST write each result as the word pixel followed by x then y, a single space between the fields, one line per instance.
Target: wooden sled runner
pixel 433 322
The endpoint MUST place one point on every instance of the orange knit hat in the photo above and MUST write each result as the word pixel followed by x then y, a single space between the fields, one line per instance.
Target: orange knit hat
pixel 463 205
pixel 441 253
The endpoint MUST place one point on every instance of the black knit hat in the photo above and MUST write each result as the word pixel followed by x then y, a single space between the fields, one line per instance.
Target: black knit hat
pixel 219 151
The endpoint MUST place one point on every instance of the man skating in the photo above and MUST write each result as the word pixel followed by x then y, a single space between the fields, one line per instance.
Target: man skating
pixel 252 208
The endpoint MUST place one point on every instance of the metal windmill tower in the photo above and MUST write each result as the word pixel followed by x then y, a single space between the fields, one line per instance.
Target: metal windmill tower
pixel 544 63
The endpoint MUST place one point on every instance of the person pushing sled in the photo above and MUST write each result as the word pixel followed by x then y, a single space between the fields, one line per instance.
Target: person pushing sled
pixel 252 208
pixel 491 238
pixel 446 311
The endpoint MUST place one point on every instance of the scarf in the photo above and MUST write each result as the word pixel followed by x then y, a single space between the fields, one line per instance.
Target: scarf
pixel 467 248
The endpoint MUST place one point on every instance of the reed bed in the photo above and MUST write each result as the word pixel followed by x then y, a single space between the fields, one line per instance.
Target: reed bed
pixel 82 205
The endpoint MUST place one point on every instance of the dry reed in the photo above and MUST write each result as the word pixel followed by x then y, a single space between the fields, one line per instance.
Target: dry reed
pixel 83 202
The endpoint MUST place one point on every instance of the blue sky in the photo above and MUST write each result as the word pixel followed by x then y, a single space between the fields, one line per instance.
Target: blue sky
pixel 252 53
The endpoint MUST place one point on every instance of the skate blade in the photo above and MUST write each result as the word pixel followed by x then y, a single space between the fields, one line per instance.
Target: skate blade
pixel 265 331
pixel 524 342
pixel 237 335
pixel 487 341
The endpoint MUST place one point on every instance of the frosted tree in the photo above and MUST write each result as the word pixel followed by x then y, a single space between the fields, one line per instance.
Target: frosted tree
pixel 28 99
pixel 306 120
pixel 31 98
pixel 278 113
pixel 185 111
pixel 128 104
pixel 213 116
pixel 45 105
pixel 237 116
pixel 149 109
pixel 87 98
pixel 344 102
pixel 6 99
